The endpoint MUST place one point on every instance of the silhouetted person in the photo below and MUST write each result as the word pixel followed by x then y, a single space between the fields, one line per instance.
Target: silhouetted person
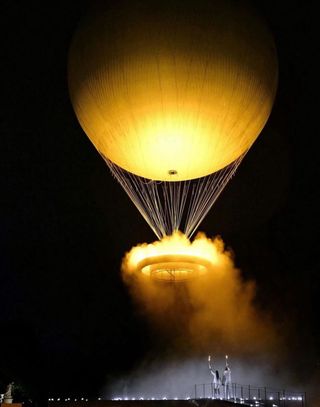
pixel 226 381
pixel 215 379
pixel 217 385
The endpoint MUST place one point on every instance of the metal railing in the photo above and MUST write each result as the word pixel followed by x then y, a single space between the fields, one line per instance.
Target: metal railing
pixel 251 395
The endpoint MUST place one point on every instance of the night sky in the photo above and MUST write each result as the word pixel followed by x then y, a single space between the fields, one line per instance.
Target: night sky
pixel 67 320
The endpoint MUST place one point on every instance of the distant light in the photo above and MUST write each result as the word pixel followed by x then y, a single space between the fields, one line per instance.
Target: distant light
pixel 270 398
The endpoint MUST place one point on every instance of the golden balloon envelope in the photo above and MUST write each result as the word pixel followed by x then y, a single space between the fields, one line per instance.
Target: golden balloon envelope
pixel 176 91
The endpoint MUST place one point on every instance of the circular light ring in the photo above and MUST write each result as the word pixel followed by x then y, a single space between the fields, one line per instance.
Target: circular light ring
pixel 173 267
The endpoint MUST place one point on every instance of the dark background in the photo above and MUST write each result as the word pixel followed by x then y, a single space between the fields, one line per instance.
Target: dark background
pixel 67 323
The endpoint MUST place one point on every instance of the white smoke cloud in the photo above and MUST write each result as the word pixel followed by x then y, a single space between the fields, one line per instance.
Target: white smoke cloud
pixel 213 314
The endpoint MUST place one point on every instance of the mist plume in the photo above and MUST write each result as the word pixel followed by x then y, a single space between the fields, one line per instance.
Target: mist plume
pixel 211 313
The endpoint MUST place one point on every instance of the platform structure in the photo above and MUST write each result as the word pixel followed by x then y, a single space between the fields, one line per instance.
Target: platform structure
pixel 289 400
pixel 253 396
pixel 142 403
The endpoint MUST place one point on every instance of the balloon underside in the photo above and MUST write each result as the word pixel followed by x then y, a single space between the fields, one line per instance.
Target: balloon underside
pixel 172 97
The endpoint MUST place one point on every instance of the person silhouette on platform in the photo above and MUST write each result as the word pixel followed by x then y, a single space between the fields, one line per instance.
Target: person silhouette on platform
pixel 215 379
pixel 226 381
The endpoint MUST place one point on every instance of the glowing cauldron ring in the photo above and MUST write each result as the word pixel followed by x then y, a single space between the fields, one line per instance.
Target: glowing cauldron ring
pixel 173 267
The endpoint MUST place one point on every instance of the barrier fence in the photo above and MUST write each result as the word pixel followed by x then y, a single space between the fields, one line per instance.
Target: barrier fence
pixel 251 395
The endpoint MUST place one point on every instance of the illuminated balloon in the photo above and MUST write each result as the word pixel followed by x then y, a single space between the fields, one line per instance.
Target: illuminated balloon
pixel 172 90
pixel 172 94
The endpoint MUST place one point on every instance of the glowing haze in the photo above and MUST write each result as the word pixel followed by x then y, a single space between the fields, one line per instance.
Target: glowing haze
pixel 174 258
pixel 177 243
pixel 213 312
